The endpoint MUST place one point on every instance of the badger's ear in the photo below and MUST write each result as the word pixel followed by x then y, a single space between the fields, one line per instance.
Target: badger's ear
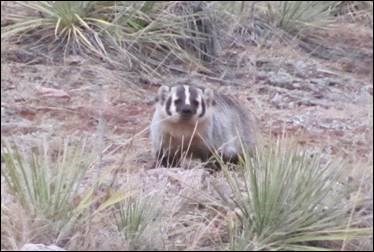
pixel 163 91
pixel 209 96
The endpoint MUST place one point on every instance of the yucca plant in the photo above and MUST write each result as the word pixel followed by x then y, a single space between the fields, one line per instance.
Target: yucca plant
pixel 134 216
pixel 48 185
pixel 143 35
pixel 71 25
pixel 162 32
pixel 44 186
pixel 293 16
pixel 287 200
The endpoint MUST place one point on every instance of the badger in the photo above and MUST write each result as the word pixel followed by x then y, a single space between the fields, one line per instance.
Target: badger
pixel 195 122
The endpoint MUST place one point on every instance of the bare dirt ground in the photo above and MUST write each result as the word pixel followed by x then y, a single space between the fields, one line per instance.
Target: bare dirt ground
pixel 326 105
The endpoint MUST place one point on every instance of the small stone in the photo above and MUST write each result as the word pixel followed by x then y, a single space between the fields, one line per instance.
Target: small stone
pixel 40 247
pixel 281 79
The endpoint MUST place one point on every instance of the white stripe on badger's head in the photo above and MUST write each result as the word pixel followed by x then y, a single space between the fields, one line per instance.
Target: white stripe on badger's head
pixel 187 95
pixel 201 105
pixel 174 97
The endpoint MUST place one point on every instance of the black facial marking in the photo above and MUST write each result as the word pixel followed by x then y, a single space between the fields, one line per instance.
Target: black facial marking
pixel 168 103
pixel 202 108
pixel 193 99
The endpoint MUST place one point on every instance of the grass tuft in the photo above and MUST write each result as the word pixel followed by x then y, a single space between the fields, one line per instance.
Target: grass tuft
pixel 49 187
pixel 140 35
pixel 286 199
pixel 294 17
pixel 137 219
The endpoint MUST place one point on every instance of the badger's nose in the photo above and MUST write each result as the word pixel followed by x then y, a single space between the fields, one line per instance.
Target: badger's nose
pixel 186 110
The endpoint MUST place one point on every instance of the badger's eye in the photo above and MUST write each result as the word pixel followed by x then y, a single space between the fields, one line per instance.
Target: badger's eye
pixel 195 103
pixel 178 101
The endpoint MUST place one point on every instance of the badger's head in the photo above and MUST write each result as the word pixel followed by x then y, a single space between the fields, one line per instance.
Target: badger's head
pixel 184 103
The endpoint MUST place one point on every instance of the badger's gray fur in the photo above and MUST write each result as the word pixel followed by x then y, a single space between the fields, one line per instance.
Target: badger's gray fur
pixel 198 122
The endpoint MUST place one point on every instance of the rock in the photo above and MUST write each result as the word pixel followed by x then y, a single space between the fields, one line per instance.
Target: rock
pixel 175 180
pixel 301 68
pixel 277 101
pixel 40 247
pixel 281 79
pixel 52 92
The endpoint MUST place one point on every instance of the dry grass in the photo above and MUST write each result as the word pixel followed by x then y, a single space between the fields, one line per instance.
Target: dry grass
pixel 79 198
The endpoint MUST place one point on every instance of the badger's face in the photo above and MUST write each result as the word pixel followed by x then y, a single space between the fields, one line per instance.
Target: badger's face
pixel 184 103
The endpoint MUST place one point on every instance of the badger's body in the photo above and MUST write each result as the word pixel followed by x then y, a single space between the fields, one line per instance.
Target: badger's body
pixel 190 121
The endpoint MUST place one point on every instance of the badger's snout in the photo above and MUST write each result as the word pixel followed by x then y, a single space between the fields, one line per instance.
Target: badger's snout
pixel 186 110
